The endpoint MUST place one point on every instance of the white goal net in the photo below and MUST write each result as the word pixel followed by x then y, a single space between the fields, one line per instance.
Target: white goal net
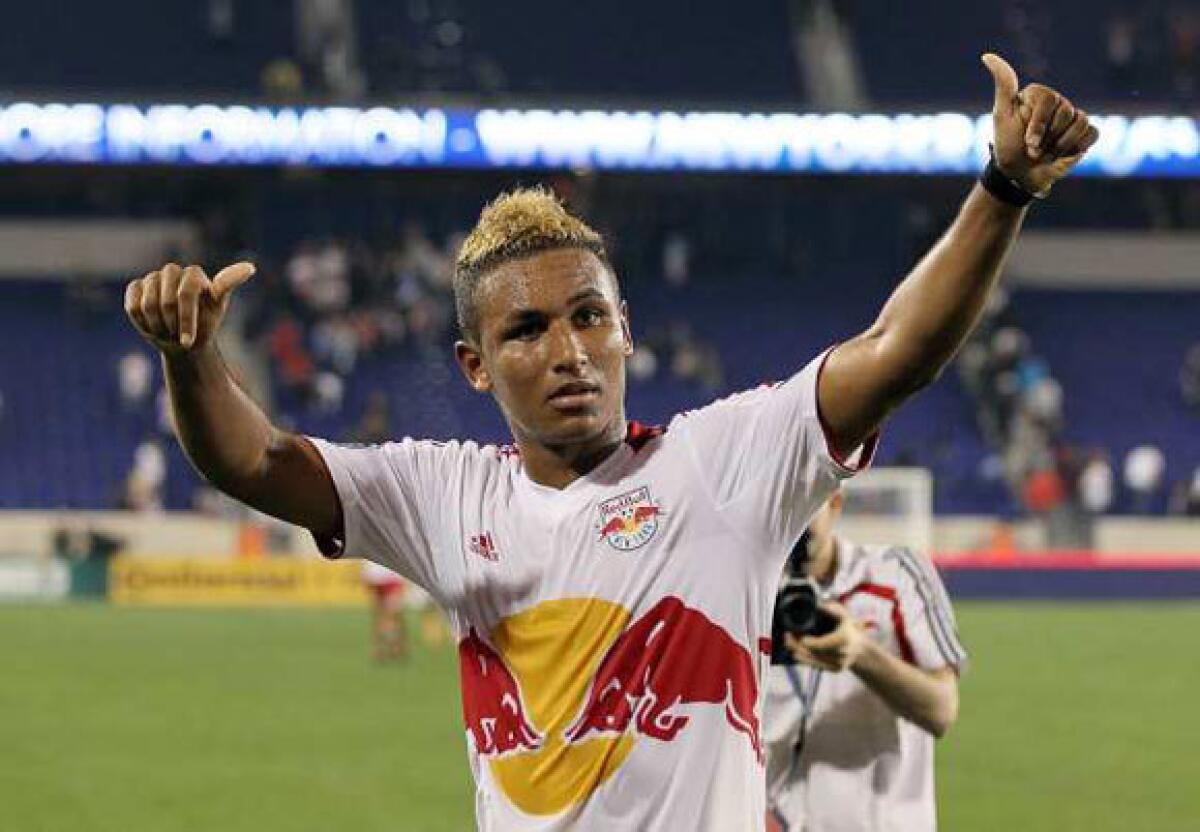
pixel 890 506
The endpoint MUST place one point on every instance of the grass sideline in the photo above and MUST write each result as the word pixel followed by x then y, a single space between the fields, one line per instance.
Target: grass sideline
pixel 1074 717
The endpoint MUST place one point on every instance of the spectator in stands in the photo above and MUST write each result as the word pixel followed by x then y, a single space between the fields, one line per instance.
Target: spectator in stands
pixel 144 485
pixel 676 259
pixel 1120 51
pixel 326 41
pixel 423 259
pixel 328 392
pixel 165 421
pixel 1047 497
pixel 1185 496
pixel 1191 504
pixel 1145 466
pixel 1183 53
pixel 291 359
pixel 1189 377
pixel 336 343
pixel 375 425
pixel 282 82
pixel 135 372
pixel 319 277
pixel 1096 484
pixel 643 363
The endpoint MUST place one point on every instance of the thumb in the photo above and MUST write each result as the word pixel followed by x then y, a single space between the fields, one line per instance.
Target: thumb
pixel 1005 78
pixel 231 277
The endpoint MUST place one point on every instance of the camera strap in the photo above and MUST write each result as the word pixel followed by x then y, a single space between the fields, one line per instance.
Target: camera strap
pixel 807 694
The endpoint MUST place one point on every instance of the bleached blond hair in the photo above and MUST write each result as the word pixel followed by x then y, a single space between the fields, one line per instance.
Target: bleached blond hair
pixel 514 225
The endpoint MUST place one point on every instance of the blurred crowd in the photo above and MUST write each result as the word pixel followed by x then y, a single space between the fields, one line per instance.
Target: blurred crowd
pixel 1155 46
pixel 338 301
pixel 1019 409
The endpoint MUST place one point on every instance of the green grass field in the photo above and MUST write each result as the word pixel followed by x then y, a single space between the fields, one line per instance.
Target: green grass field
pixel 1073 718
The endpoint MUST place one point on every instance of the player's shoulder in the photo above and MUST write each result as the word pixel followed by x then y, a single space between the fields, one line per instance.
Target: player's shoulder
pixel 910 568
pixel 730 403
pixel 798 389
pixel 882 561
pixel 438 457
pixel 720 416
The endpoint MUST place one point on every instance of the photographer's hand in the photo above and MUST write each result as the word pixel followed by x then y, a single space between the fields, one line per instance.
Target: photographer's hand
pixel 834 651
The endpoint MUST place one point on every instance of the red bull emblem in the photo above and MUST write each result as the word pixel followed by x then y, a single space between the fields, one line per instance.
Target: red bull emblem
pixel 492 707
pixel 671 656
pixel 556 697
pixel 629 521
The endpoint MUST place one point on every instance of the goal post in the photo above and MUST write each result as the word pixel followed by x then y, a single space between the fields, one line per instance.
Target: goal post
pixel 889 506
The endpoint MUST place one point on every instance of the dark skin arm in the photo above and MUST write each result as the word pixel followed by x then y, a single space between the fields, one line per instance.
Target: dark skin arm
pixel 224 432
pixel 230 441
pixel 1039 137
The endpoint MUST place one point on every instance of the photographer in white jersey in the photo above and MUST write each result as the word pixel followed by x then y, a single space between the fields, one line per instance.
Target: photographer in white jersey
pixel 864 679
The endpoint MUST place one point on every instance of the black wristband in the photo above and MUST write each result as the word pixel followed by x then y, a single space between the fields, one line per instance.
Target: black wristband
pixel 996 183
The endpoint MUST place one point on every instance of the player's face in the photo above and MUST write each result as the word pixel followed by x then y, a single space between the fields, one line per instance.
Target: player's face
pixel 553 338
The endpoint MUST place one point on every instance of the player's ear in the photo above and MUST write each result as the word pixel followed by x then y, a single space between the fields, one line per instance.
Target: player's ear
pixel 470 361
pixel 626 332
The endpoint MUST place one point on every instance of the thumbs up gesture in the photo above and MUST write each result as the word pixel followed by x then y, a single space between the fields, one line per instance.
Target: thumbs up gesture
pixel 178 309
pixel 1039 134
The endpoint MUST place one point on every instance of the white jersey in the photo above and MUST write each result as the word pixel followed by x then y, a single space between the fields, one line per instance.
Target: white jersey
pixel 861 767
pixel 612 634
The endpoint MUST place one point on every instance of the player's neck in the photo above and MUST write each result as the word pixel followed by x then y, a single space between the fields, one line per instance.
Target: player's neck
pixel 557 466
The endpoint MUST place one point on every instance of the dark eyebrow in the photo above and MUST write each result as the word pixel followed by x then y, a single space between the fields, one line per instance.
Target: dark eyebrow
pixel 523 315
pixel 590 293
pixel 520 316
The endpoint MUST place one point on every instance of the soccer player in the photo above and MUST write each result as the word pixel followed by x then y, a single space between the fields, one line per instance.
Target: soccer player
pixel 611 585
pixel 850 730
pixel 389 633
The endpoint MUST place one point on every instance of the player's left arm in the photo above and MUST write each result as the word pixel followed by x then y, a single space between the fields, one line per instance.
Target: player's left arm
pixel 927 698
pixel 1039 137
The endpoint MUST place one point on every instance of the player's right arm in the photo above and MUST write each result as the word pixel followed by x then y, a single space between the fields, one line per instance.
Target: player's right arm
pixel 224 432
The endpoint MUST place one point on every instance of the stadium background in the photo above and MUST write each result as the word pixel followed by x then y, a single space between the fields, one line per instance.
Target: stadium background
pixel 1063 446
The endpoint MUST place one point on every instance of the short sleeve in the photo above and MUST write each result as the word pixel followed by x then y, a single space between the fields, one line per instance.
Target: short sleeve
pixel 390 495
pixel 928 618
pixel 766 457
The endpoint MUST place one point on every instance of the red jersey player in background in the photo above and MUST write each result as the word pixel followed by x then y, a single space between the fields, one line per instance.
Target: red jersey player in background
pixel 386 590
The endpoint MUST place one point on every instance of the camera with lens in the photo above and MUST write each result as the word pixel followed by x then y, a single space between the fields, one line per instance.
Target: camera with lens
pixel 798 606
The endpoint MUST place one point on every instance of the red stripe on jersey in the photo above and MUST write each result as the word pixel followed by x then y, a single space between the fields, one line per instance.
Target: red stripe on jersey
pixel 869 444
pixel 637 434
pixel 888 594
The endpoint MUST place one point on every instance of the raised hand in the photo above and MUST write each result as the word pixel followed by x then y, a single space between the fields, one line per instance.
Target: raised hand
pixel 1039 134
pixel 179 309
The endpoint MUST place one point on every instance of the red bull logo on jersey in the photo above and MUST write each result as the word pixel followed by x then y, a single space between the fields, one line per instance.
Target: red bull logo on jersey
pixel 556 697
pixel 670 657
pixel 494 713
pixel 629 521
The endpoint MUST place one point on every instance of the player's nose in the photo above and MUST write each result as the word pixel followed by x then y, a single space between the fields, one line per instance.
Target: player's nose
pixel 567 349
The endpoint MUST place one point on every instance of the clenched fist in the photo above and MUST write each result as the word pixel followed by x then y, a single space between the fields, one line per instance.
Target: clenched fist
pixel 179 309
pixel 1039 134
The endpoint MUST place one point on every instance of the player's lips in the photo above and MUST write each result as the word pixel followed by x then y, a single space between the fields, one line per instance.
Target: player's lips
pixel 574 395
